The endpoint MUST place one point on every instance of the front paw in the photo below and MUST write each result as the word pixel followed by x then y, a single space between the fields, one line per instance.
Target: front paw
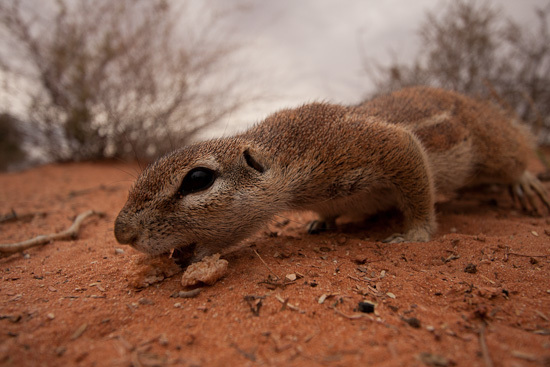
pixel 317 226
pixel 414 235
pixel 395 238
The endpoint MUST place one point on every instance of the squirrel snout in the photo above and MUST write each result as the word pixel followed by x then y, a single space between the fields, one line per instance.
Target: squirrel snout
pixel 124 233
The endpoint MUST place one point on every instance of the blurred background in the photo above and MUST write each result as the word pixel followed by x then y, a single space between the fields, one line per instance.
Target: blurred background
pixel 133 79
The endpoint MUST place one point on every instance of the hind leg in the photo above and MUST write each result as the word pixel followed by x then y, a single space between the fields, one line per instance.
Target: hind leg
pixel 530 193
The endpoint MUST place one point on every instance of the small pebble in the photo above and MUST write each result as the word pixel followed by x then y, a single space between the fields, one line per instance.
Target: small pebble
pixel 413 322
pixel 470 268
pixel 79 331
pixel 145 301
pixel 50 316
pixel 291 277
pixel 186 294
pixel 434 360
pixel 163 340
pixel 59 351
pixel 366 307
pixel 118 251
pixel 177 305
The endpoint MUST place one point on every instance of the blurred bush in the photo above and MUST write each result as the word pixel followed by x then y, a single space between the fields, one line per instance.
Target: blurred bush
pixel 471 47
pixel 11 142
pixel 125 78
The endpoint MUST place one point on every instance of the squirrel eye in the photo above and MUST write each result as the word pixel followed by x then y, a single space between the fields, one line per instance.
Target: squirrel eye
pixel 198 179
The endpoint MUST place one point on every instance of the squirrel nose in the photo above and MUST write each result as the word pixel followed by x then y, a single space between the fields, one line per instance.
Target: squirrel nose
pixel 124 233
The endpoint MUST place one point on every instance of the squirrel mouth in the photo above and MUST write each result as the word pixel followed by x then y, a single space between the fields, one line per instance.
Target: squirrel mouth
pixel 184 255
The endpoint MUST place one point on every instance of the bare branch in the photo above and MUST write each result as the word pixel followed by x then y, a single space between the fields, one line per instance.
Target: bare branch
pixel 472 48
pixel 107 72
pixel 70 233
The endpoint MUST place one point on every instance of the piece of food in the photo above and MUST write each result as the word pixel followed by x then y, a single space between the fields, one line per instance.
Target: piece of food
pixel 208 271
pixel 150 270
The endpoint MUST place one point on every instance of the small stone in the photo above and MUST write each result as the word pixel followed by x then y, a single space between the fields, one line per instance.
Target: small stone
pixel 366 307
pixel 322 299
pixel 186 294
pixel 50 316
pixel 177 305
pixel 146 301
pixel 413 322
pixel 535 233
pixel 391 295
pixel 291 277
pixel 470 268
pixel 79 331
pixel 434 360
pixel 163 340
pixel 118 251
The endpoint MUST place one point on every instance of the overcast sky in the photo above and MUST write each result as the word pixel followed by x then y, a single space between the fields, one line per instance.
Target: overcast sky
pixel 306 50
pixel 299 51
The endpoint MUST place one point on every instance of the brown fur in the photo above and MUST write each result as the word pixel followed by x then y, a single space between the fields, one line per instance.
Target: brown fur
pixel 398 150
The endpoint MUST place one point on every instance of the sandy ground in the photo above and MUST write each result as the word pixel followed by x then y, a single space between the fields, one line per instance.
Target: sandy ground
pixel 477 295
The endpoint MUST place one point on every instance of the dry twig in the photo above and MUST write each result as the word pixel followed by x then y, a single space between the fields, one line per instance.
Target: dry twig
pixel 525 255
pixel 68 234
pixel 351 317
pixel 12 216
pixel 484 350
pixel 267 266
pixel 286 304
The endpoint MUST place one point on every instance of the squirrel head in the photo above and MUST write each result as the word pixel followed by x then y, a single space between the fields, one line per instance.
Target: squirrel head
pixel 205 196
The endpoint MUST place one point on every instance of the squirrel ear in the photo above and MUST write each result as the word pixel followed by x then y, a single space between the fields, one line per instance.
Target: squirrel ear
pixel 254 159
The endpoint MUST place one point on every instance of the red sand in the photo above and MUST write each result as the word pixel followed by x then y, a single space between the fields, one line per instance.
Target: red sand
pixel 72 303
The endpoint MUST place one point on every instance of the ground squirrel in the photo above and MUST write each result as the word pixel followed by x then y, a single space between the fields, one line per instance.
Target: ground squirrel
pixel 394 151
